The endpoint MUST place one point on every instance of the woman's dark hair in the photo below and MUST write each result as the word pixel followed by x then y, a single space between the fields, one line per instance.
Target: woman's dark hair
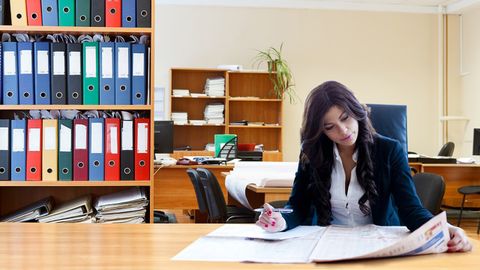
pixel 317 148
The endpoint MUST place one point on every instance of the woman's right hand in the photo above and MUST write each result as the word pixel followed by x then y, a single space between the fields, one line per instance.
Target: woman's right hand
pixel 271 221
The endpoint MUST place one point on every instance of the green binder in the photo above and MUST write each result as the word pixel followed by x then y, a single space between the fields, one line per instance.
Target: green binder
pixel 90 73
pixel 66 12
pixel 221 139
pixel 65 142
pixel 82 15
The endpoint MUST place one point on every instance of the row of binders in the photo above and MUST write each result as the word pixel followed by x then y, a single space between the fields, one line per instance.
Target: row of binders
pixel 90 73
pixel 94 149
pixel 99 13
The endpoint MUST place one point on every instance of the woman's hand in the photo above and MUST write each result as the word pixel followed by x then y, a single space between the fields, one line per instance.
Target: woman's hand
pixel 458 240
pixel 271 221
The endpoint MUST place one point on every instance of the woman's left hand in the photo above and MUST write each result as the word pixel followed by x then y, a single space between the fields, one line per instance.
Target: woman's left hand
pixel 458 240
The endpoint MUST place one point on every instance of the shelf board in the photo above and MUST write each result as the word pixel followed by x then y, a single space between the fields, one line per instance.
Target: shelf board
pixel 206 97
pixel 74 183
pixel 255 99
pixel 74 30
pixel 77 107
pixel 207 125
pixel 239 126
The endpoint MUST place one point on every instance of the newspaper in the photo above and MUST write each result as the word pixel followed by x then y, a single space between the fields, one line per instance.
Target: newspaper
pixel 331 243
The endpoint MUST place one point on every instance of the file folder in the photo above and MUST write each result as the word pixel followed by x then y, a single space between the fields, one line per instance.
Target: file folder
pixel 106 81
pixel 4 149
pixel 34 150
pixel 1 73
pixel 10 73
pixel 80 149
pixel 25 73
pixel 82 16
pixel 66 12
pixel 42 72
pixel 50 150
pixel 144 13
pixel 90 73
pixel 97 8
pixel 65 136
pixel 129 13
pixel 18 12
pixel 50 12
pixel 96 149
pixel 58 78
pixel 123 86
pixel 113 13
pixel 112 149
pixel 139 74
pixel 34 12
pixel 142 148
pixel 126 152
pixel 74 73
pixel 18 153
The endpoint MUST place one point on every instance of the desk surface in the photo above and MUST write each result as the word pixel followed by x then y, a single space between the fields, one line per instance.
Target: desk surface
pixel 150 246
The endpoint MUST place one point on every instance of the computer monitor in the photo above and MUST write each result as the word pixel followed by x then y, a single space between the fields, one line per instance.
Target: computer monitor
pixel 476 141
pixel 163 138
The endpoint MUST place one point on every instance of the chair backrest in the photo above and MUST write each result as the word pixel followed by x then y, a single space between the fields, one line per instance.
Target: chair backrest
pixel 390 121
pixel 217 207
pixel 447 150
pixel 199 190
pixel 430 189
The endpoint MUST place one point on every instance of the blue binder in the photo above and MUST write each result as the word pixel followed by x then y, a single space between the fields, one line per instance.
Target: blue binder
pixel 49 13
pixel 18 142
pixel 1 75
pixel 129 13
pixel 107 81
pixel 41 69
pixel 139 74
pixel 123 72
pixel 96 152
pixel 25 73
pixel 10 73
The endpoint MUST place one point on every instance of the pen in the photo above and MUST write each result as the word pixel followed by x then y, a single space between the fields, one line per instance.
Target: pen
pixel 280 210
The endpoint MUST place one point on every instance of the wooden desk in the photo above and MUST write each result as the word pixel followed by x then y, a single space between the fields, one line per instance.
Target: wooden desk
pixel 151 246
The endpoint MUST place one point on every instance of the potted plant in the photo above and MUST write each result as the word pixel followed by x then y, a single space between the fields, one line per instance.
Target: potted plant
pixel 279 71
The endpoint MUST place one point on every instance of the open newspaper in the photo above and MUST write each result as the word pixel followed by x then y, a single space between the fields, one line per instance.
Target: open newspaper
pixel 249 243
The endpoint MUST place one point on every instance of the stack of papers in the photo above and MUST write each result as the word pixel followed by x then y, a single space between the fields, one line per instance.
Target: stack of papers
pixel 215 87
pixel 30 212
pixel 126 206
pixel 181 92
pixel 198 122
pixel 214 114
pixel 76 211
pixel 180 118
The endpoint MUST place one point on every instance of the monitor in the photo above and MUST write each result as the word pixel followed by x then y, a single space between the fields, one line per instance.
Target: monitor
pixel 163 138
pixel 476 141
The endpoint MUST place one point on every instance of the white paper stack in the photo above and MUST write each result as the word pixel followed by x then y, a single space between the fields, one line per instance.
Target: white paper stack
pixel 198 122
pixel 126 206
pixel 78 210
pixel 214 113
pixel 215 87
pixel 181 92
pixel 180 118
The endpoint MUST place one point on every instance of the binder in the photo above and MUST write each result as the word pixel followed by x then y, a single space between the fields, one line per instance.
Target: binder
pixel 50 150
pixel 97 8
pixel 10 71
pixel 30 212
pixel 90 73
pixel 65 150
pixel 50 12
pixel 112 149
pixel 58 78
pixel 2 13
pixel 1 72
pixel 4 149
pixel 80 149
pixel 129 13
pixel 139 74
pixel 74 73
pixel 142 148
pixel 82 16
pixel 41 68
pixel 25 73
pixel 126 151
pixel 18 12
pixel 96 149
pixel 34 149
pixel 113 13
pixel 66 12
pixel 34 12
pixel 144 13
pixel 123 86
pixel 106 81
pixel 18 138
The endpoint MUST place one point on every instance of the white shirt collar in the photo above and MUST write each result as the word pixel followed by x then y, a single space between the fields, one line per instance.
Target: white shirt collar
pixel 336 154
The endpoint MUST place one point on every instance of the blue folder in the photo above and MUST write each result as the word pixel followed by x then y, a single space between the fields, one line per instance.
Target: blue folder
pixel 10 73
pixel 123 72
pixel 139 74
pixel 49 13
pixel 1 74
pixel 25 73
pixel 107 70
pixel 129 13
pixel 18 142
pixel 41 69
pixel 96 152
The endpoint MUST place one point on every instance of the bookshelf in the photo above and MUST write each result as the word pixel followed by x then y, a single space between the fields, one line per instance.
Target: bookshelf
pixel 16 194
pixel 248 96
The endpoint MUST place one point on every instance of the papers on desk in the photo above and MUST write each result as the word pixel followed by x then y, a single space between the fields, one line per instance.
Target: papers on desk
pixel 323 244
pixel 262 174
pixel 126 206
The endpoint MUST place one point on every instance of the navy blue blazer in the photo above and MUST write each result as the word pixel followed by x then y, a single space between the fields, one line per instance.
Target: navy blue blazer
pixel 397 202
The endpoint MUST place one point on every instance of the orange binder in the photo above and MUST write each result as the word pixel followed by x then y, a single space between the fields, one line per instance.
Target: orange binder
pixel 34 12
pixel 142 148
pixel 34 150
pixel 113 13
pixel 112 149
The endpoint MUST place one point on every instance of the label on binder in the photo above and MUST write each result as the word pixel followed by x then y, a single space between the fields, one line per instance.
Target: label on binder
pixel 107 65
pixel 80 137
pixel 142 138
pixel 113 140
pixel 138 65
pixel 18 143
pixel 75 64
pixel 91 59
pixel 10 65
pixel 66 143
pixel 123 64
pixel 50 138
pixel 58 63
pixel 4 141
pixel 26 62
pixel 97 130
pixel 42 62
pixel 33 139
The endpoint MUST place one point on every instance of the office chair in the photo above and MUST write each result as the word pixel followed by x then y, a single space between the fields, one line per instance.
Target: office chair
pixel 199 190
pixel 430 189
pixel 447 150
pixel 468 190
pixel 390 121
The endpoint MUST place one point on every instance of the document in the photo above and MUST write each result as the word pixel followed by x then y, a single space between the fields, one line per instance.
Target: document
pixel 324 244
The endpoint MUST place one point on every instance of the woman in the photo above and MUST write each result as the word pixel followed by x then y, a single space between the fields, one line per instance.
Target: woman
pixel 348 174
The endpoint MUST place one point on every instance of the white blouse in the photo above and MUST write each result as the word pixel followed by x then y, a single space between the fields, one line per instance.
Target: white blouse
pixel 345 208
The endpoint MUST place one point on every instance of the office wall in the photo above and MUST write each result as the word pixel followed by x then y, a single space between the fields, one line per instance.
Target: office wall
pixel 383 57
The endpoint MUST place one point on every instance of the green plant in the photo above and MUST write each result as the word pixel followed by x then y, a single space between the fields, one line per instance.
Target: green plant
pixel 279 71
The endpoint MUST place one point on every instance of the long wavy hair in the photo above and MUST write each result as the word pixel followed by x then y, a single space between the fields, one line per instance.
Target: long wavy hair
pixel 317 148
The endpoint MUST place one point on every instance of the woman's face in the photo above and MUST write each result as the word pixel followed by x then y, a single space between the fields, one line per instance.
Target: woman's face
pixel 340 127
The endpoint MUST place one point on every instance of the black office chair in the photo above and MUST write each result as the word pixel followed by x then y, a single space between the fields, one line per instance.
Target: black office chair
pixel 199 190
pixel 430 189
pixel 468 190
pixel 391 121
pixel 447 150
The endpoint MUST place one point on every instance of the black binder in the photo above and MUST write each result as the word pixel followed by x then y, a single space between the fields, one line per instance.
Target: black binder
pixel 97 9
pixel 4 149
pixel 144 16
pixel 58 77
pixel 74 73
pixel 126 151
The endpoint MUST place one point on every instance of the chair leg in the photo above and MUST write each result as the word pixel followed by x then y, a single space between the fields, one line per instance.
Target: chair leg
pixel 461 211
